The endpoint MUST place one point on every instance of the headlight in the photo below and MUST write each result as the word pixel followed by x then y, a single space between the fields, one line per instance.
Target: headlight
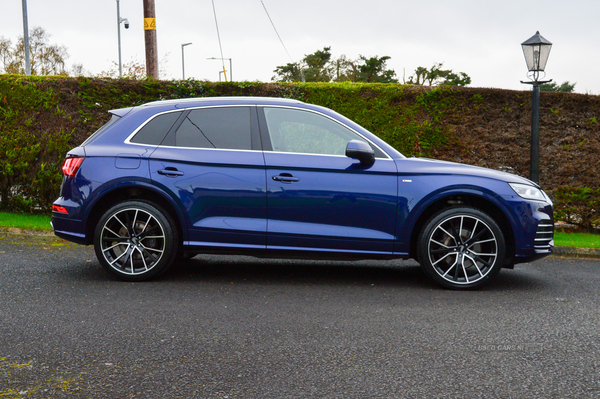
pixel 529 192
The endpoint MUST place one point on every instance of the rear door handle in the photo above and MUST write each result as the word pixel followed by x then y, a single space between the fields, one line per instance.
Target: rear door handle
pixel 170 172
pixel 286 178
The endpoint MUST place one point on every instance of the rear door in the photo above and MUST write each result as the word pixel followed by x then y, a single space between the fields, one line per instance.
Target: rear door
pixel 212 163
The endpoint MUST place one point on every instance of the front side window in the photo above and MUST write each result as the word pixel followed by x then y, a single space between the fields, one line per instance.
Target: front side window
pixel 221 128
pixel 299 131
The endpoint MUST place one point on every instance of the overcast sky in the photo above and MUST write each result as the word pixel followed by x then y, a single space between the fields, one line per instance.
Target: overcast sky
pixel 480 37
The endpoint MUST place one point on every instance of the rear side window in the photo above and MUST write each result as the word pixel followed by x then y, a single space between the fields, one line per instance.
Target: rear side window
pixel 155 130
pixel 221 128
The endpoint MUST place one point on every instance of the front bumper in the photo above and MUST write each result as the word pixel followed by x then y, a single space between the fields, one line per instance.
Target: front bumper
pixel 538 232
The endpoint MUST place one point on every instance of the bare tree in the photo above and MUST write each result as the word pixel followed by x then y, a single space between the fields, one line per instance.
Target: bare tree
pixel 46 58
pixel 133 69
pixel 345 69
pixel 5 53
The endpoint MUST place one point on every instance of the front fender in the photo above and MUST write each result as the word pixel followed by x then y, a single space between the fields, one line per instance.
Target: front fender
pixel 424 207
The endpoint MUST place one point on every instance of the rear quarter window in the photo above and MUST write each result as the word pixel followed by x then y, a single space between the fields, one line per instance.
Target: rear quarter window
pixel 155 130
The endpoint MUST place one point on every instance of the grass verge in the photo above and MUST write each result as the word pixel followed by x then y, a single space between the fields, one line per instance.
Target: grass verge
pixel 42 222
pixel 24 221
pixel 576 240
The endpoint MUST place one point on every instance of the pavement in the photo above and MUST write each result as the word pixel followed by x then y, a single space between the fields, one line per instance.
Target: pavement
pixel 561 251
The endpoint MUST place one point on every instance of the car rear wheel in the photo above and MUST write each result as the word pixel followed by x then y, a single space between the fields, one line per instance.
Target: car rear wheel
pixel 461 248
pixel 135 241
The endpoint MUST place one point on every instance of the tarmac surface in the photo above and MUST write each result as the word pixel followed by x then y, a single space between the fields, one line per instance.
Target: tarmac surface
pixel 239 327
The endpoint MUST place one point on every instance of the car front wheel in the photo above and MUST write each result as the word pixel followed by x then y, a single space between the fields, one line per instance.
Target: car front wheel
pixel 461 248
pixel 135 241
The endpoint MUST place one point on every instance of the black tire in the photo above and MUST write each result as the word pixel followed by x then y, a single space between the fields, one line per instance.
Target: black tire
pixel 461 248
pixel 135 241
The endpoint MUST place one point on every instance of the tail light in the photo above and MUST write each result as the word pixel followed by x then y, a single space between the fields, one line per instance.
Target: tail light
pixel 59 209
pixel 71 166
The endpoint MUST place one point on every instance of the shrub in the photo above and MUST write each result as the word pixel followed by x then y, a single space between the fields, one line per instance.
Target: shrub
pixel 30 151
pixel 578 206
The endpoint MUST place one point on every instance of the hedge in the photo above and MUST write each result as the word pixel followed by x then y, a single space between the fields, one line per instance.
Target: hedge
pixel 41 118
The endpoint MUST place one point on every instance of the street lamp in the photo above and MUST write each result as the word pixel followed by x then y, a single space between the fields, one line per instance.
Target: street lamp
pixel 536 50
pixel 183 59
pixel 126 23
pixel 26 39
pixel 230 68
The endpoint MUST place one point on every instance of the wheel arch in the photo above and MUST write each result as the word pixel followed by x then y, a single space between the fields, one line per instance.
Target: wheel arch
pixel 480 202
pixel 134 191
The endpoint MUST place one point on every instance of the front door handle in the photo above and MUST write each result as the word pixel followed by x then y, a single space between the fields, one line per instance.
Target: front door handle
pixel 286 178
pixel 170 172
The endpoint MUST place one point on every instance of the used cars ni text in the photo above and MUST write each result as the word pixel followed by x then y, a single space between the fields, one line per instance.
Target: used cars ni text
pixel 283 178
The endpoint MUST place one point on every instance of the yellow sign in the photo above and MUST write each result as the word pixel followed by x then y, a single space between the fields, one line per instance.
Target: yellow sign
pixel 149 23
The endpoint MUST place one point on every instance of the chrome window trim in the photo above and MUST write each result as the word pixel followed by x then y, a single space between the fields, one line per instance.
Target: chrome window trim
pixel 128 139
pixel 204 149
pixel 323 155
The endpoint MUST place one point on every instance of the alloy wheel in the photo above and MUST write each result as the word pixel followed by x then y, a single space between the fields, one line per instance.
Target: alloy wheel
pixel 463 249
pixel 132 241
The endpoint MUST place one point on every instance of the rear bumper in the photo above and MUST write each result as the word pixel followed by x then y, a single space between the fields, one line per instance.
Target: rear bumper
pixel 69 229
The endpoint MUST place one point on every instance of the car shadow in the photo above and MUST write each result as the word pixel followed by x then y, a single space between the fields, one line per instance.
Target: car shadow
pixel 244 269
pixel 391 273
pixel 224 269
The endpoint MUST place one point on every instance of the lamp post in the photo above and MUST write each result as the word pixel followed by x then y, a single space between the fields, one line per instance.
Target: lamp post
pixel 230 68
pixel 183 59
pixel 126 23
pixel 26 39
pixel 536 50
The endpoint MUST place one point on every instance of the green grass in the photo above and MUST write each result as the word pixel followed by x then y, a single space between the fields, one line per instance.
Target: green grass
pixel 42 222
pixel 578 240
pixel 24 221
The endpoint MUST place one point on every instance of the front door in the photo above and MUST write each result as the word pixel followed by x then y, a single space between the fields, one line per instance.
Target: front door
pixel 318 198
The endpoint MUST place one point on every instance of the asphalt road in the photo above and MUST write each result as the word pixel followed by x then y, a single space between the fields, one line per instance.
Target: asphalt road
pixel 237 327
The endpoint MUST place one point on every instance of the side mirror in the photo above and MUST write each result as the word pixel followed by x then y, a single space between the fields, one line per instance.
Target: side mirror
pixel 360 150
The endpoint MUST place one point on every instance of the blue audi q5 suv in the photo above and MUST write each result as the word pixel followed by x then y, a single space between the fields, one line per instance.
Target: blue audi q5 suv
pixel 282 178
